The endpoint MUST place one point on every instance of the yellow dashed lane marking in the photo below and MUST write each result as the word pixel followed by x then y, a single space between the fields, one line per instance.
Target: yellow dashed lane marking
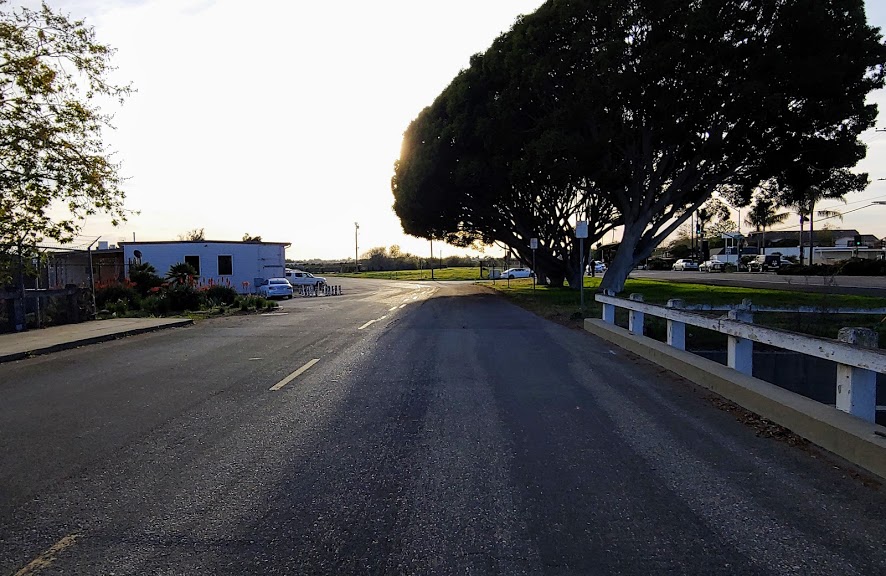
pixel 44 560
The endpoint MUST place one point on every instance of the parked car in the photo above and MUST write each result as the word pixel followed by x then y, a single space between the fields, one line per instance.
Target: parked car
pixel 599 267
pixel 712 266
pixel 684 264
pixel 512 273
pixel 301 278
pixel 767 262
pixel 275 288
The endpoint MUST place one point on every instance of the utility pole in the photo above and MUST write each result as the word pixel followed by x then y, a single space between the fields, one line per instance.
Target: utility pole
pixel 356 259
pixel 432 258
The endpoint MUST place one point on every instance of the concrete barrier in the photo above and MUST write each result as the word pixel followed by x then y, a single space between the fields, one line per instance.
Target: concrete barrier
pixel 860 442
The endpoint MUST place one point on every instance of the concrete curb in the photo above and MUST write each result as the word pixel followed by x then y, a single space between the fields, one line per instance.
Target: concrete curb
pixel 91 340
pixel 862 443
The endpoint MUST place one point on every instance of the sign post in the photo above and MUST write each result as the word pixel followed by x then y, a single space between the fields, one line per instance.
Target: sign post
pixel 581 232
pixel 533 243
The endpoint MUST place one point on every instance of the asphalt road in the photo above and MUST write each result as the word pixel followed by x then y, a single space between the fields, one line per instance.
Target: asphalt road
pixel 858 285
pixel 415 428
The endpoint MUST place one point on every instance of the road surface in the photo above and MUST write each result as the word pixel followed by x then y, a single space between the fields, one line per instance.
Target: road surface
pixel 403 428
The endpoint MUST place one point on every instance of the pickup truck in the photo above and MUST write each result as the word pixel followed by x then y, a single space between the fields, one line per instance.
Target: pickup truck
pixel 301 278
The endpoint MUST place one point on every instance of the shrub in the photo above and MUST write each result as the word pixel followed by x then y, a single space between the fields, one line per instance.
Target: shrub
pixel 115 293
pixel 156 304
pixel 863 267
pixel 221 294
pixel 144 276
pixel 185 297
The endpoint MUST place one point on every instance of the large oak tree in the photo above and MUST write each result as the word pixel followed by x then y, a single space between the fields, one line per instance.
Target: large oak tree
pixel 640 109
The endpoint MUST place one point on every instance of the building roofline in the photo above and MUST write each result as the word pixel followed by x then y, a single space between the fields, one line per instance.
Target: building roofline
pixel 201 242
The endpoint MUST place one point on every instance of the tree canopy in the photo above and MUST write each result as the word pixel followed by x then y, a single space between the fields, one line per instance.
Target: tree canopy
pixel 53 74
pixel 632 113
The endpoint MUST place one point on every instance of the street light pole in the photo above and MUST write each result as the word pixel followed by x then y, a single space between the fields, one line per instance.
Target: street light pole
pixel 356 250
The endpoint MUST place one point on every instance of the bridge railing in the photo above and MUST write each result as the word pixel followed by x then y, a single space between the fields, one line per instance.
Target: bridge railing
pixel 855 352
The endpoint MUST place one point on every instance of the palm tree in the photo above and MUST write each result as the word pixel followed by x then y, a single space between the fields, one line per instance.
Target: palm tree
pixel 805 208
pixel 805 184
pixel 763 215
pixel 181 274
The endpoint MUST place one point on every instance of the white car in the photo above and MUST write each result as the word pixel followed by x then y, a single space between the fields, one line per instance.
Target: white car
pixel 684 264
pixel 599 267
pixel 276 288
pixel 301 278
pixel 512 273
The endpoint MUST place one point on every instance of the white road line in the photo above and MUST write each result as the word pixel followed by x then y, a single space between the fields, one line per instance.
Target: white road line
pixel 392 309
pixel 372 322
pixel 293 376
pixel 402 305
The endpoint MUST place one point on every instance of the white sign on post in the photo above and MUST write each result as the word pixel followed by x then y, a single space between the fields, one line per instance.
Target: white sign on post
pixel 533 243
pixel 581 229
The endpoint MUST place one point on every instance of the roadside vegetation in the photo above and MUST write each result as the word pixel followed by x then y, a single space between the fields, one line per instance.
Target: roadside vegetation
pixel 146 294
pixel 563 306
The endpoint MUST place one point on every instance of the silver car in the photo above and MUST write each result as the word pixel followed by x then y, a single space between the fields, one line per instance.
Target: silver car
pixel 684 264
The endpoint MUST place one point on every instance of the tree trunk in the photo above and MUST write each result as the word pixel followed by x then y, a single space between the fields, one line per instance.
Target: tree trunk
pixel 574 278
pixel 617 273
pixel 811 233
pixel 801 239
pixel 623 262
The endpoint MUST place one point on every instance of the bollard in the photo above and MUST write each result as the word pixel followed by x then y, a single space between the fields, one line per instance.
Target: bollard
pixel 857 387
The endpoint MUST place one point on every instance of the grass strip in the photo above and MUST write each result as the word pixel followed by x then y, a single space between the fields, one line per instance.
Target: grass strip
pixel 562 305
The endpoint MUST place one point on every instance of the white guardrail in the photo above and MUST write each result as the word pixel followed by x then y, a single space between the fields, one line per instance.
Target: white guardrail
pixel 856 354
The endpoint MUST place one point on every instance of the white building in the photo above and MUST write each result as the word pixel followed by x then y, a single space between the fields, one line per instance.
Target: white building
pixel 241 265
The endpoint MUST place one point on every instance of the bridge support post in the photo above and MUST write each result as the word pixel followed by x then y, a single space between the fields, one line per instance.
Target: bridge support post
pixel 857 387
pixel 676 330
pixel 609 309
pixel 741 350
pixel 636 318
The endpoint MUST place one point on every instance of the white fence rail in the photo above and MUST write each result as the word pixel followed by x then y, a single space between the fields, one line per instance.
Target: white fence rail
pixel 856 354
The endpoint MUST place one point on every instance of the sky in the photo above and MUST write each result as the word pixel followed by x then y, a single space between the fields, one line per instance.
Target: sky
pixel 283 118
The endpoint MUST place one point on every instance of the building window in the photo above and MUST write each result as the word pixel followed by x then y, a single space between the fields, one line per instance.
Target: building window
pixel 225 265
pixel 193 261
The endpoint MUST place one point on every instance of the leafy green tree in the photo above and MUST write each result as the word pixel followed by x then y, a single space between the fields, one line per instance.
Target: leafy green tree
pixel 633 113
pixel 195 235
pixel 53 74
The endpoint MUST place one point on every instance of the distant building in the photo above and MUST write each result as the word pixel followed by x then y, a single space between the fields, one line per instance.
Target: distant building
pixel 241 265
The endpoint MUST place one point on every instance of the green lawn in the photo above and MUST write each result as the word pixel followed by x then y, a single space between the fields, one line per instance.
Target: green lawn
pixel 439 274
pixel 562 305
